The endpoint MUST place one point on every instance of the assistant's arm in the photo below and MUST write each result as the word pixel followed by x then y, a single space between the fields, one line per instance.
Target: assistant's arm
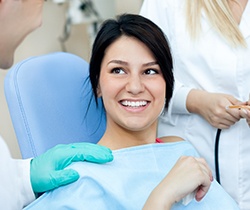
pixel 46 170
pixel 15 185
pixel 20 179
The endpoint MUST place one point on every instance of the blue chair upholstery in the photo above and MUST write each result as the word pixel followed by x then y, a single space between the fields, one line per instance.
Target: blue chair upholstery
pixel 50 102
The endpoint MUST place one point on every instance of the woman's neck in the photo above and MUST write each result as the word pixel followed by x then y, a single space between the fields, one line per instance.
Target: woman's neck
pixel 118 138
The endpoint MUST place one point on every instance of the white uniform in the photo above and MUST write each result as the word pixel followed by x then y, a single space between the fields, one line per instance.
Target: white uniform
pixel 209 64
pixel 15 187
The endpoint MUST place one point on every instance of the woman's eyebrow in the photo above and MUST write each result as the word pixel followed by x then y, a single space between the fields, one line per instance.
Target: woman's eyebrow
pixel 151 63
pixel 118 62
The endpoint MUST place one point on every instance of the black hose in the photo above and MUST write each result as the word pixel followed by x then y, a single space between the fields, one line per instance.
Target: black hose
pixel 216 155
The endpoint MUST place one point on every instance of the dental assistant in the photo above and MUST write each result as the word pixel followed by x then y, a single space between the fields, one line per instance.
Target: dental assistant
pixel 210 42
pixel 21 179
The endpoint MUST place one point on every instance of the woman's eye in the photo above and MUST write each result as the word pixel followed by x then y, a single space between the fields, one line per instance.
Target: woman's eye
pixel 151 71
pixel 117 71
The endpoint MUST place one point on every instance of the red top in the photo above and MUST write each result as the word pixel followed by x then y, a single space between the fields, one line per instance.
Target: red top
pixel 158 140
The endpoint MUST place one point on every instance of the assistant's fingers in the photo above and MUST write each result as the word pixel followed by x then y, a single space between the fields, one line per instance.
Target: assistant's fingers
pixel 91 153
pixel 229 118
pixel 232 114
pixel 245 113
pixel 68 153
pixel 223 119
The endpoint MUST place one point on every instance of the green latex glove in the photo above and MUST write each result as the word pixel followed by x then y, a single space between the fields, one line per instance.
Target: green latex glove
pixel 46 170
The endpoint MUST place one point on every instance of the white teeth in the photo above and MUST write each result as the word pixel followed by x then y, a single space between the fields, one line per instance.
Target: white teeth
pixel 134 103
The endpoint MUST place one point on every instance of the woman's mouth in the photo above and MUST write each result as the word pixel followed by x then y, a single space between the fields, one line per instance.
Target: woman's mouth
pixel 134 104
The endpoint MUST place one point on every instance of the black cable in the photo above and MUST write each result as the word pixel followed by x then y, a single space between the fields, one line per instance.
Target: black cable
pixel 216 155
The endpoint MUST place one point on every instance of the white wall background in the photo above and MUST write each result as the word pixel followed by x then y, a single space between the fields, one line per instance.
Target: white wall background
pixel 45 40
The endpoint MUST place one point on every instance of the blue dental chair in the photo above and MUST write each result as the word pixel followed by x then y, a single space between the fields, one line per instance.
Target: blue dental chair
pixel 50 102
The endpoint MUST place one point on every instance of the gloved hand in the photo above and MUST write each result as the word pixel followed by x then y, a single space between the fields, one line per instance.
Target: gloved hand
pixel 46 170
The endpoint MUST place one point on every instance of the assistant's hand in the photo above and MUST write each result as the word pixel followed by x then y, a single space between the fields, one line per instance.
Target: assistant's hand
pixel 212 107
pixel 46 170
pixel 245 111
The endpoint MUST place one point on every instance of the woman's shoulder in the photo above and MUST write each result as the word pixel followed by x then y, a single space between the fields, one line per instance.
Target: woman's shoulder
pixel 180 144
pixel 168 139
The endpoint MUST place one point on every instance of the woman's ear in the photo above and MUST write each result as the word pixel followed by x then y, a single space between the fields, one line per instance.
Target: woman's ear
pixel 98 91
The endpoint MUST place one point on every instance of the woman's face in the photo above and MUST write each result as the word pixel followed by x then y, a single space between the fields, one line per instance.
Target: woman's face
pixel 131 85
pixel 18 18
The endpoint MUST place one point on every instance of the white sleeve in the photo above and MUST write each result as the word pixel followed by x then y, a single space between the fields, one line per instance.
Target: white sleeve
pixel 178 102
pixel 15 191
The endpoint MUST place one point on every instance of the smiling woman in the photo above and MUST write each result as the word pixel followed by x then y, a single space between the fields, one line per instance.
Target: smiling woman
pixel 131 69
pixel 139 91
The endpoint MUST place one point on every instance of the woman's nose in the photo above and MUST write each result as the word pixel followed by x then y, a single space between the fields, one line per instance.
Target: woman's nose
pixel 135 85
